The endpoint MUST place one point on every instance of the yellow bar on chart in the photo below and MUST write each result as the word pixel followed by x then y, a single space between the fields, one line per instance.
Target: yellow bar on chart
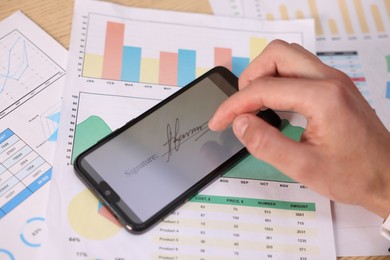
pixel 346 17
pixel 93 65
pixel 200 71
pixel 314 13
pixel 256 46
pixel 387 6
pixel 270 17
pixel 333 27
pixel 299 14
pixel 361 16
pixel 283 12
pixel 377 18
pixel 149 70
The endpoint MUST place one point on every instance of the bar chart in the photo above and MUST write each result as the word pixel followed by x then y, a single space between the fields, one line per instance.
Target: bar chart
pixel 113 52
pixel 334 18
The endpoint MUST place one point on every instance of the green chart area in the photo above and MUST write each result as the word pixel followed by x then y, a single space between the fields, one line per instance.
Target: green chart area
pixel 95 128
pixel 252 168
pixel 88 133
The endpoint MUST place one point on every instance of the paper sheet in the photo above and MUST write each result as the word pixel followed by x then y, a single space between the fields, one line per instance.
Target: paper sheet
pixel 31 84
pixel 124 60
pixel 352 36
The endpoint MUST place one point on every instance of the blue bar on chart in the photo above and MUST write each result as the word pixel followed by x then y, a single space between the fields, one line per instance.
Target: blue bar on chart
pixel 186 67
pixel 131 63
pixel 239 64
pixel 388 90
pixel 22 171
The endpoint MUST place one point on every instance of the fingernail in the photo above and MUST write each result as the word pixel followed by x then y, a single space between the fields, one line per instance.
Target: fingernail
pixel 240 125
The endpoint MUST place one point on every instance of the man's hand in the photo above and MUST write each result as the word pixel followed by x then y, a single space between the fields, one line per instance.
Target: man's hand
pixel 344 152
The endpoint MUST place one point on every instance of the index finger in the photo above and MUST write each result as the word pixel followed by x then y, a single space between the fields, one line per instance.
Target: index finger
pixel 298 95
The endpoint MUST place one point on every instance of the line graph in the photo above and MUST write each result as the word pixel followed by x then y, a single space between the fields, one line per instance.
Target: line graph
pixel 16 65
pixel 25 70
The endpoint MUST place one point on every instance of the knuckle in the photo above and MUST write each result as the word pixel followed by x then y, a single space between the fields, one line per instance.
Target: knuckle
pixel 277 44
pixel 336 89
pixel 295 45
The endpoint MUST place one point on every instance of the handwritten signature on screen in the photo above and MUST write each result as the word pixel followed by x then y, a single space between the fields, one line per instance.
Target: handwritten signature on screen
pixel 176 137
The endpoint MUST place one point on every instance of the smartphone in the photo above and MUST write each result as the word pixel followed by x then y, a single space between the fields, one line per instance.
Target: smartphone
pixel 146 169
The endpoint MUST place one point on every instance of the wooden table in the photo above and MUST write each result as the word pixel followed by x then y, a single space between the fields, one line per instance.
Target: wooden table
pixel 55 17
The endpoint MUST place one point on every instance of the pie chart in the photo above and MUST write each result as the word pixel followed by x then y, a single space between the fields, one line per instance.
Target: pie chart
pixel 90 219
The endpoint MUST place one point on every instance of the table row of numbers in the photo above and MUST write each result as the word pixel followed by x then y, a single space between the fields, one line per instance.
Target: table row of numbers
pixel 22 171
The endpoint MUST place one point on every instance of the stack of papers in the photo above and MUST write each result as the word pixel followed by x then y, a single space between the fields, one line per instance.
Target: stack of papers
pixel 121 62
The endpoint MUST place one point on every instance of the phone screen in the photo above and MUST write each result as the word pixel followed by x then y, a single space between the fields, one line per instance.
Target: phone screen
pixel 164 154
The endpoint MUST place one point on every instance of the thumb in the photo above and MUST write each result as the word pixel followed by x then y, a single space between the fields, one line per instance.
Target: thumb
pixel 267 143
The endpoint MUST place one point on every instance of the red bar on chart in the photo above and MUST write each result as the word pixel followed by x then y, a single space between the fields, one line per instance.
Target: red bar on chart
pixel 168 68
pixel 112 61
pixel 223 57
